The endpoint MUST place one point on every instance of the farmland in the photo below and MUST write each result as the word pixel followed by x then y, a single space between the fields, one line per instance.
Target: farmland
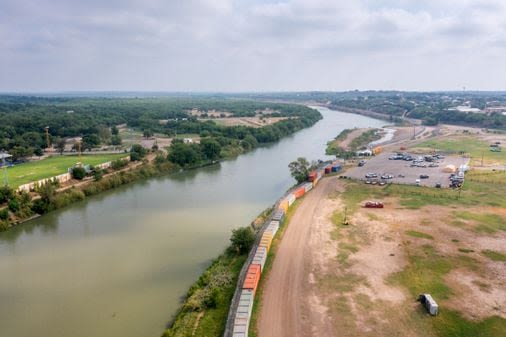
pixel 52 166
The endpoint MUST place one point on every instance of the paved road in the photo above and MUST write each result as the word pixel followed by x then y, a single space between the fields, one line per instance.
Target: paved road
pixel 283 296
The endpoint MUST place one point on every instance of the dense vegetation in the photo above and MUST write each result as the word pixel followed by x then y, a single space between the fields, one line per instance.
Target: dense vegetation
pixel 22 132
pixel 431 107
pixel 207 303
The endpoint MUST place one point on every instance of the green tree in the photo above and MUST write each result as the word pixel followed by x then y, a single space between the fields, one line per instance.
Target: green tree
pixel 90 141
pixel 211 149
pixel 114 130
pixel 116 140
pixel 147 133
pixel 249 142
pixel 60 145
pixel 299 169
pixel 184 154
pixel 137 152
pixel 242 239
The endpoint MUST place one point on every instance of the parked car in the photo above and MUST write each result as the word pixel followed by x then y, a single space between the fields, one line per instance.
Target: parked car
pixel 361 163
pixel 387 176
pixel 424 176
pixel 371 175
pixel 373 204
pixel 438 185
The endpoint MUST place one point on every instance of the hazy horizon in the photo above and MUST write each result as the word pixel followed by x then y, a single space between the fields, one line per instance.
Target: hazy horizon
pixel 251 46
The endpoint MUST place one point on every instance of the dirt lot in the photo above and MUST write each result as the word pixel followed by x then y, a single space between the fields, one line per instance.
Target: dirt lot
pixel 382 165
pixel 362 279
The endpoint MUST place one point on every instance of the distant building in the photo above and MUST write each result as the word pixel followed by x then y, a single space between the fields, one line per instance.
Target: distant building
pixel 187 140
pixel 496 109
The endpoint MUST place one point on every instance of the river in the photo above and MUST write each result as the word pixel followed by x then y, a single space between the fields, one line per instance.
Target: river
pixel 119 263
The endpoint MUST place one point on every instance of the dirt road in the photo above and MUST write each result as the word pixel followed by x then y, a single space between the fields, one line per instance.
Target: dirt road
pixel 284 296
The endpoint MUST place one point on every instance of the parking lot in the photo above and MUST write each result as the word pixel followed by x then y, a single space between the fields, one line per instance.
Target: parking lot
pixel 402 172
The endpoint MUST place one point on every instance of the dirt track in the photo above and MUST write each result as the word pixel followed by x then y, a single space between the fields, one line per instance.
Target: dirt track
pixel 284 295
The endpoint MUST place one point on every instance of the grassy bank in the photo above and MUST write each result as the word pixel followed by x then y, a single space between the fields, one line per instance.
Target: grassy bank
pixel 51 200
pixel 205 309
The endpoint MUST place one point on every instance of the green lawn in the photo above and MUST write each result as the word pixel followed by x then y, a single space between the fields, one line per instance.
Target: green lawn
pixel 52 166
pixel 469 145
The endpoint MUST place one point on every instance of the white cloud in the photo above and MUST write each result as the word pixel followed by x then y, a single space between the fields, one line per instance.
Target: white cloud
pixel 251 45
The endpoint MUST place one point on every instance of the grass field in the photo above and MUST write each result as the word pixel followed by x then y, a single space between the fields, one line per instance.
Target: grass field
pixel 52 166
pixel 467 144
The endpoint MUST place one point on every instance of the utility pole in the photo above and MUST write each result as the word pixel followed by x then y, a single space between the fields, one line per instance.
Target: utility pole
pixel 482 154
pixel 345 219
pixel 414 131
pixel 47 137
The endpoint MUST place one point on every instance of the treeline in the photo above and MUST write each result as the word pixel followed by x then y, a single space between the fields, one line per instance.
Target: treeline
pixel 219 142
pixel 25 118
pixel 430 107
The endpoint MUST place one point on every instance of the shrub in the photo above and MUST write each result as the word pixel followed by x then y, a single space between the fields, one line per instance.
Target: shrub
pixel 98 174
pixel 4 214
pixel 242 239
pixel 118 164
pixel 135 156
pixel 78 173
pixel 6 193
pixel 14 205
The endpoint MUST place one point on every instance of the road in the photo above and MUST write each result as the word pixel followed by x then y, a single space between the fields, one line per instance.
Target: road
pixel 283 300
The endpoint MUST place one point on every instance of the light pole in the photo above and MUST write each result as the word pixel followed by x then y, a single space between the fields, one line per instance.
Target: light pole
pixel 4 156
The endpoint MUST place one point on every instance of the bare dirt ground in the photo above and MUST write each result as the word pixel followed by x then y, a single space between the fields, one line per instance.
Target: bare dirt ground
pixel 333 280
pixel 284 293
pixel 345 144
pixel 255 122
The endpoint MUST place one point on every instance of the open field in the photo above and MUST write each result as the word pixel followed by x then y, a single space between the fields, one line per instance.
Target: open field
pixel 475 146
pixel 52 166
pixel 363 279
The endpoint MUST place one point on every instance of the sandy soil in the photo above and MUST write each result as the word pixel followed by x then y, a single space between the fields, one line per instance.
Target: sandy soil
pixel 283 296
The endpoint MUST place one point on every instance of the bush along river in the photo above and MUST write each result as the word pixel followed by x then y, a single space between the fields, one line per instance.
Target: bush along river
pixel 119 263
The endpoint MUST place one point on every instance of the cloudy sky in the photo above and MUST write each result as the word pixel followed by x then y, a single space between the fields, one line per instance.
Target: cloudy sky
pixel 252 45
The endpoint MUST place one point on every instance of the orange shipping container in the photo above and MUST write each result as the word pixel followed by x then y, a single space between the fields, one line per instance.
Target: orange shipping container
pixel 252 277
pixel 299 193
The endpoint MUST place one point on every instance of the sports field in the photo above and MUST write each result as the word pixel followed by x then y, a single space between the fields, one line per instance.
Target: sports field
pixel 52 166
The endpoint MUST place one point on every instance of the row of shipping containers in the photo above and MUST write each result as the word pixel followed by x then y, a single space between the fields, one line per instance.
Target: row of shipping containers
pixel 249 287
pixel 250 284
